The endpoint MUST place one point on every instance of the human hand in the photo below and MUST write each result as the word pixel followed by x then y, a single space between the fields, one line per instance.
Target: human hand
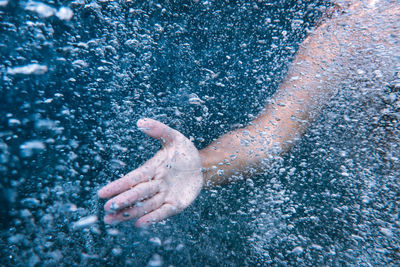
pixel 163 186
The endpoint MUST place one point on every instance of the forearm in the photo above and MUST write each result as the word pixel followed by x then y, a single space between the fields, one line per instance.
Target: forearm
pixel 296 103
pixel 322 63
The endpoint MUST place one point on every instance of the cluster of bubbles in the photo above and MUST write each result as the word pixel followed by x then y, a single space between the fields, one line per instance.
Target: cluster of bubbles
pixel 76 76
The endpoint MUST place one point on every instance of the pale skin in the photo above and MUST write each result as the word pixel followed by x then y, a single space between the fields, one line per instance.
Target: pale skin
pixel 171 180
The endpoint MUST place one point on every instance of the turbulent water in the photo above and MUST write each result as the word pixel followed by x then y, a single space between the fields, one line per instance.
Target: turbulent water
pixel 76 76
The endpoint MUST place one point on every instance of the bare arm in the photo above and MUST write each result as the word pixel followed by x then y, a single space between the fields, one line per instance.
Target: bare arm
pixel 171 180
pixel 315 75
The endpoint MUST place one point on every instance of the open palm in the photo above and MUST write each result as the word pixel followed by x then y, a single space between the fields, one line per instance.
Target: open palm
pixel 163 186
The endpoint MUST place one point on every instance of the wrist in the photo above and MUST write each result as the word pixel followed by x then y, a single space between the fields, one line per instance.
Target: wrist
pixel 215 166
pixel 205 168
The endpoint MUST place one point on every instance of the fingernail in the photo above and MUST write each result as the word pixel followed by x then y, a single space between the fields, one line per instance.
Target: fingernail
pixel 143 125
pixel 107 220
pixel 110 220
pixel 142 224
pixel 100 193
pixel 141 122
pixel 139 225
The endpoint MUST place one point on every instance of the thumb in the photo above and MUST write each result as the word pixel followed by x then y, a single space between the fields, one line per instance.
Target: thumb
pixel 158 130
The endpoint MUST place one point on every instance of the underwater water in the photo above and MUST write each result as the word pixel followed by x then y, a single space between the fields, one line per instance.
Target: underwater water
pixel 77 75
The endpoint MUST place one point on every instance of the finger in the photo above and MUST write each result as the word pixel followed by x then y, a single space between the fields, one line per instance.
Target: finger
pixel 157 215
pixel 137 193
pixel 137 211
pixel 158 130
pixel 141 174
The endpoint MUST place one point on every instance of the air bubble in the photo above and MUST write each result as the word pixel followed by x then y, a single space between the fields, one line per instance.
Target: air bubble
pixel 155 261
pixel 65 13
pixel 40 8
pixel 28 69
pixel 85 222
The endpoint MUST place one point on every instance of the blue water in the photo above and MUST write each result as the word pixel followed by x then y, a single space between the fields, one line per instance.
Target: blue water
pixel 67 126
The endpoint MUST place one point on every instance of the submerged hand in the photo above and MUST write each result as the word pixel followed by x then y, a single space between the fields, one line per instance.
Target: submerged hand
pixel 163 186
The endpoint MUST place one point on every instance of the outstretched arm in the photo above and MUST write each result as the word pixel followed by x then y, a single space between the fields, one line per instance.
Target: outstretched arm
pixel 171 180
pixel 314 76
pixel 297 102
